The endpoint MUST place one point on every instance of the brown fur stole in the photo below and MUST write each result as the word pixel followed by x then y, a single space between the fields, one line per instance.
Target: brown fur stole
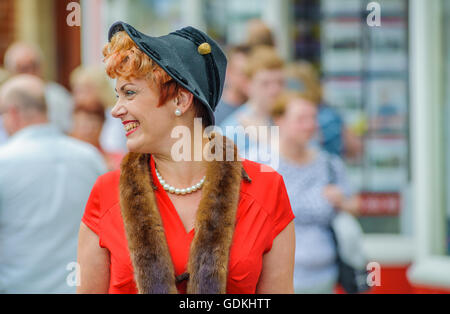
pixel 214 226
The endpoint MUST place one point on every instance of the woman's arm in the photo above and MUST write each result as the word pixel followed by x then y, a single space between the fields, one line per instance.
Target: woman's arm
pixel 334 195
pixel 277 275
pixel 338 192
pixel 93 261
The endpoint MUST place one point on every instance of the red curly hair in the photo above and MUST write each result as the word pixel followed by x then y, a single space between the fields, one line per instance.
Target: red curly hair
pixel 124 59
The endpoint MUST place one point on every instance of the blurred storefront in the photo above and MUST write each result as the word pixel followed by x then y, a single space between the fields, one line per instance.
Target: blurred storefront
pixel 44 24
pixel 6 25
pixel 430 73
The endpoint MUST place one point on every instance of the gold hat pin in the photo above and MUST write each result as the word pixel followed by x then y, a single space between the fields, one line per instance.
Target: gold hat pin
pixel 204 49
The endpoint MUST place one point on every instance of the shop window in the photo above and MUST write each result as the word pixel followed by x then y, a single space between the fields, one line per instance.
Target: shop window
pixel 226 21
pixel 365 77
pixel 156 17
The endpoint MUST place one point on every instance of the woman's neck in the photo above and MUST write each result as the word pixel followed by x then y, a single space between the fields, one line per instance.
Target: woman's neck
pixel 182 173
pixel 299 154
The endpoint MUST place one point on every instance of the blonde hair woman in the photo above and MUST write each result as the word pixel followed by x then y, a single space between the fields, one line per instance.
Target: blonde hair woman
pixel 92 122
pixel 306 171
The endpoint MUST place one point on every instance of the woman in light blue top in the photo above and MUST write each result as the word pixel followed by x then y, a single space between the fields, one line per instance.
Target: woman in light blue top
pixel 306 172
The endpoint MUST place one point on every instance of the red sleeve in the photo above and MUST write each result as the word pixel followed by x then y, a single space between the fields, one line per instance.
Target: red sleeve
pixel 282 213
pixel 91 217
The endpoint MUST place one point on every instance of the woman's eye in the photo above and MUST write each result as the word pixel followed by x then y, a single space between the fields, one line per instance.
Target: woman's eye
pixel 130 92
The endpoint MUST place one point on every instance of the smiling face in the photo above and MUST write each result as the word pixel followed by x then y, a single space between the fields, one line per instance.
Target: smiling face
pixel 147 125
pixel 146 97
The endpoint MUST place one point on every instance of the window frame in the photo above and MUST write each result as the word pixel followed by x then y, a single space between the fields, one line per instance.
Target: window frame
pixel 430 266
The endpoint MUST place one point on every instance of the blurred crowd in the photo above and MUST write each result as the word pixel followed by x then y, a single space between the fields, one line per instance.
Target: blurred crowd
pixel 54 143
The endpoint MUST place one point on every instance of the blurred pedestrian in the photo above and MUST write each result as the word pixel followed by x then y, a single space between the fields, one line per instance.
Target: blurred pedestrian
pixel 235 91
pixel 333 135
pixel 259 34
pixel 306 172
pixel 266 81
pixel 24 58
pixel 87 125
pixel 45 180
pixel 92 119
pixel 4 75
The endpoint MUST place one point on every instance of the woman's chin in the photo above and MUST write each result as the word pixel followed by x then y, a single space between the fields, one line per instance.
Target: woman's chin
pixel 133 145
pixel 137 146
pixel 301 142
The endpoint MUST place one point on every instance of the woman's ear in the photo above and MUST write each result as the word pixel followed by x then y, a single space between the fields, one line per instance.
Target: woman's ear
pixel 184 101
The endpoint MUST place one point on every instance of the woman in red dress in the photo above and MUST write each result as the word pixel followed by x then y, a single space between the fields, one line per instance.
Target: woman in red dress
pixel 196 225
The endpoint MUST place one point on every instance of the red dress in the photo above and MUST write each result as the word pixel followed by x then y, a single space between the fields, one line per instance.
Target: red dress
pixel 263 212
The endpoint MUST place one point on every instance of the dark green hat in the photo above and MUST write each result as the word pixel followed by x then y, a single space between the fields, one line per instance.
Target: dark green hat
pixel 189 56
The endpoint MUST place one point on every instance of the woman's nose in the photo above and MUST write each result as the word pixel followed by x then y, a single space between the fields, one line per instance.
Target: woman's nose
pixel 118 110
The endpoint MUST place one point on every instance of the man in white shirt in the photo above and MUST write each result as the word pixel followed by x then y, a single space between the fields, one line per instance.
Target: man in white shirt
pixel 45 181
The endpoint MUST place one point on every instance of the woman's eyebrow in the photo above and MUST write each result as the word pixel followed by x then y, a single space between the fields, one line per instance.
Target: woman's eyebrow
pixel 123 86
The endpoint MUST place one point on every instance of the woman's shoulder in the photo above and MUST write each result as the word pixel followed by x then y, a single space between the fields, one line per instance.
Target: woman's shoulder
pixel 107 187
pixel 267 193
pixel 259 171
pixel 104 195
pixel 110 178
pixel 330 159
pixel 266 183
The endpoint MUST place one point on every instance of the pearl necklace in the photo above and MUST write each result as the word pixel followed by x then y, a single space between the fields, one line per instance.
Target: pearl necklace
pixel 174 190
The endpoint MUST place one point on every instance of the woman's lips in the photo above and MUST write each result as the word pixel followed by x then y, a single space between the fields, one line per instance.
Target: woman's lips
pixel 131 132
pixel 130 126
